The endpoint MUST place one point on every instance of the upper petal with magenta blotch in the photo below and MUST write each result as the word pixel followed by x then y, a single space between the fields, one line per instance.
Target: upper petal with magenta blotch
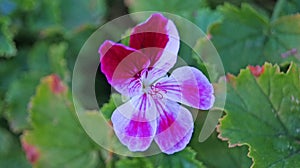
pixel 121 64
pixel 158 39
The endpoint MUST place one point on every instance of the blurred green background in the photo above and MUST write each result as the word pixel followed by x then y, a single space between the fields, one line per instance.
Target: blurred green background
pixel 40 37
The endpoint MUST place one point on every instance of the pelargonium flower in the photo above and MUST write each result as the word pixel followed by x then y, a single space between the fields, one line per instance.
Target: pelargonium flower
pixel 140 72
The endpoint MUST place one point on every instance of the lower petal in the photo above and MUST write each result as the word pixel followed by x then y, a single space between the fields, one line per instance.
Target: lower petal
pixel 134 128
pixel 175 127
pixel 181 144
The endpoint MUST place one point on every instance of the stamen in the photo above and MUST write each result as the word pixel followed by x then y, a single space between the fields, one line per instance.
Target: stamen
pixel 156 92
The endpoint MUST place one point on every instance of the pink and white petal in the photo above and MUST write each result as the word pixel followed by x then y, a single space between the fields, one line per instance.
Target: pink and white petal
pixel 158 38
pixel 189 86
pixel 127 77
pixel 137 136
pixel 152 74
pixel 132 126
pixel 181 144
pixel 175 127
pixel 169 56
pixel 121 64
pixel 151 33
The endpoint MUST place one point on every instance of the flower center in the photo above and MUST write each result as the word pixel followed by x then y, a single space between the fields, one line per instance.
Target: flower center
pixel 155 90
pixel 149 86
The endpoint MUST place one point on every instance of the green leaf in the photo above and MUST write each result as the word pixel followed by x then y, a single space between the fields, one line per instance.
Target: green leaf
pixel 213 148
pixel 44 15
pixel 266 5
pixel 126 37
pixel 11 154
pixel 57 62
pixel 263 112
pixel 108 108
pixel 7 45
pixel 10 70
pixel 76 40
pixel 1 106
pixel 41 62
pixel 205 17
pixel 134 163
pixel 47 58
pixel 37 58
pixel 245 46
pixel 184 158
pixel 288 7
pixel 17 100
pixel 284 37
pixel 206 51
pixel 64 14
pixel 25 5
pixel 56 132
pixel 257 40
pixel 91 12
pixel 179 7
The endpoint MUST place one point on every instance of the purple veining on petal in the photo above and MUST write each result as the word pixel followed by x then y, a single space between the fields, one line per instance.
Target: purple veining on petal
pixel 174 127
pixel 191 87
pixel 181 144
pixel 134 126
